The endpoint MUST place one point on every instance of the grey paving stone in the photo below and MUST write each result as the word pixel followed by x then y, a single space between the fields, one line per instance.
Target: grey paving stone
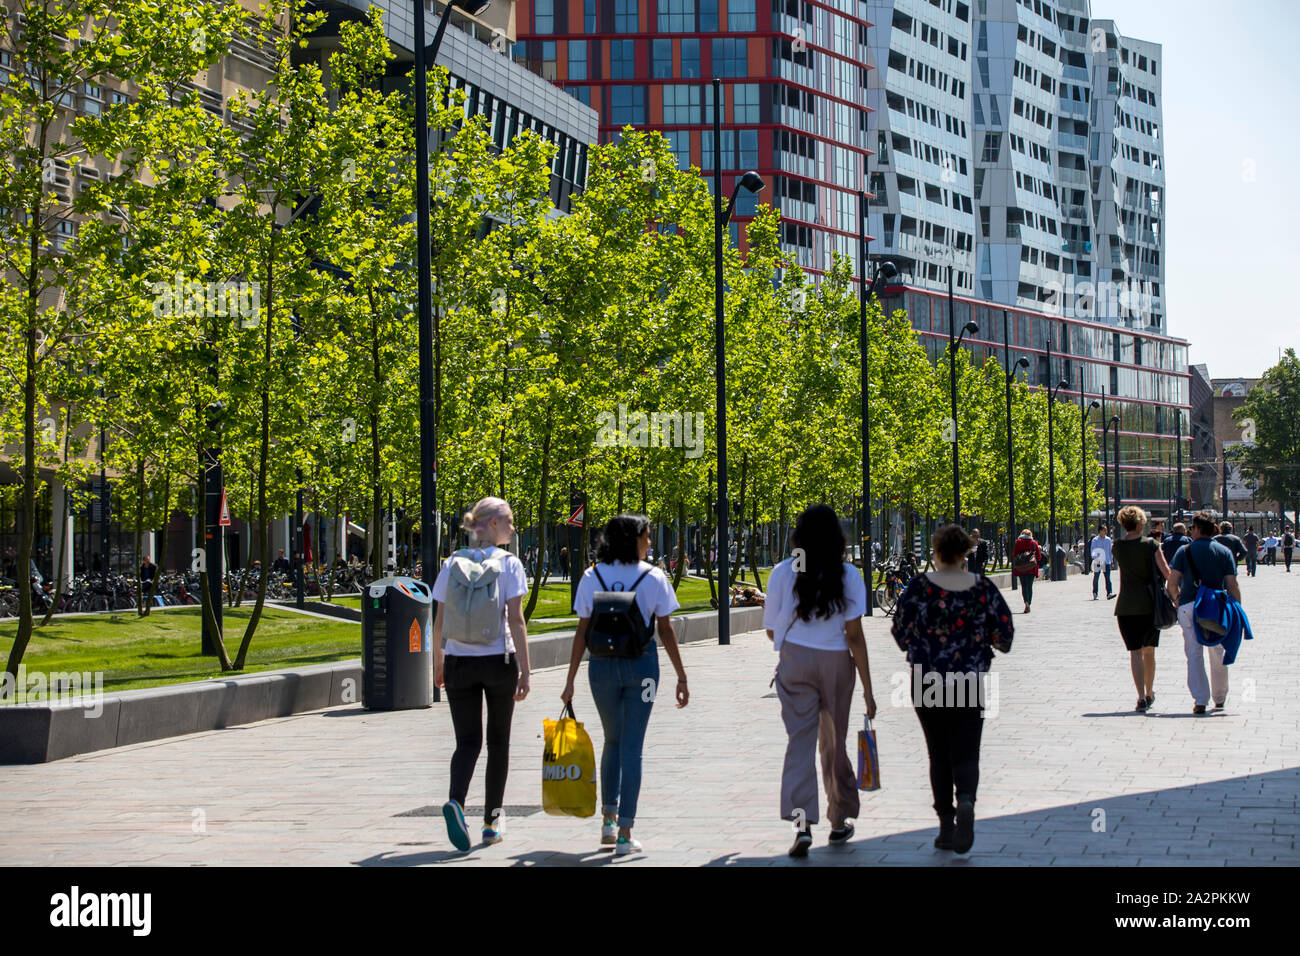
pixel 326 788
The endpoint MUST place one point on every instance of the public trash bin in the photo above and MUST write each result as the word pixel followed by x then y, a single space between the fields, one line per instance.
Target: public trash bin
pixel 397 645
pixel 1058 564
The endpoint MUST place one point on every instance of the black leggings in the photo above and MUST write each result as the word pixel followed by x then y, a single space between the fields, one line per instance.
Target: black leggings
pixel 952 735
pixel 468 680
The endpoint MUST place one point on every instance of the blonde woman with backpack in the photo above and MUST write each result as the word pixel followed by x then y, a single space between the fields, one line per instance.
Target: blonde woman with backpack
pixel 480 594
pixel 621 601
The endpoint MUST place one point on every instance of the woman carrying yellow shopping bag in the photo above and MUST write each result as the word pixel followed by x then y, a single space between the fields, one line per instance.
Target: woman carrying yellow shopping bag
pixel 568 767
pixel 621 602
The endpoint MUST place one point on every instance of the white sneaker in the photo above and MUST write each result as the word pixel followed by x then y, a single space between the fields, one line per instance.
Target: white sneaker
pixel 627 846
pixel 609 834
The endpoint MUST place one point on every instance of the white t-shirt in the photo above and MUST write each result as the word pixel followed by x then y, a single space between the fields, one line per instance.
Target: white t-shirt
pixel 654 595
pixel 514 581
pixel 823 634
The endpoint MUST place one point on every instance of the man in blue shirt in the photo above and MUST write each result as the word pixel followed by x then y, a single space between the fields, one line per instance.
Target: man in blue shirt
pixel 1207 562
pixel 1173 541
pixel 1102 558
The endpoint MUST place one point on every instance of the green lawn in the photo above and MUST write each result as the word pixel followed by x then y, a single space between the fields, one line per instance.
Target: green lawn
pixel 164 647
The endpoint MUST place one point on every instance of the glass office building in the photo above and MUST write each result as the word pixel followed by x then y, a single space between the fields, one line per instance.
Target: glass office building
pixel 1141 377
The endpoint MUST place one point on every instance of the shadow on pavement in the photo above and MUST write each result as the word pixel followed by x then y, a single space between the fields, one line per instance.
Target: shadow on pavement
pixel 1249 820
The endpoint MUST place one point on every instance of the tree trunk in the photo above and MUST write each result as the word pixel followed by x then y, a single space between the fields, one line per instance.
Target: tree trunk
pixel 375 539
pixel 62 529
pixel 139 521
pixel 753 543
pixel 264 451
pixel 338 516
pixel 166 515
pixel 680 571
pixel 738 566
pixel 539 579
pixel 783 527
pixel 706 553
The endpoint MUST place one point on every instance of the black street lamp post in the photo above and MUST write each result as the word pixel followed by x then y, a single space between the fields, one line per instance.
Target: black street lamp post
pixel 954 341
pixel 752 182
pixel 887 271
pixel 1021 362
pixel 1111 423
pixel 427 330
pixel 1083 450
pixel 1114 437
pixel 1051 474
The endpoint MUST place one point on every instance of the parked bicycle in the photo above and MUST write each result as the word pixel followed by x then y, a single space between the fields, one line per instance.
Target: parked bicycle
pixel 897 573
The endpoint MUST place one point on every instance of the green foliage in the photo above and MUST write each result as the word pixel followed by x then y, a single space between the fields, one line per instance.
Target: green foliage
pixel 1270 420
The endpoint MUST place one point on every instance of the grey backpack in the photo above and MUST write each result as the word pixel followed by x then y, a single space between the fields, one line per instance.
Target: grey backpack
pixel 475 600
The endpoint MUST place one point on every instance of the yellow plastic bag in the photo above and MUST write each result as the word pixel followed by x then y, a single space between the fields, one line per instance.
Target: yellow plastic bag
pixel 568 768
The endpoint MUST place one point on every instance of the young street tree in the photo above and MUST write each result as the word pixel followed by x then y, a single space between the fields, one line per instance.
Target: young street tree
pixel 62 52
pixel 1270 449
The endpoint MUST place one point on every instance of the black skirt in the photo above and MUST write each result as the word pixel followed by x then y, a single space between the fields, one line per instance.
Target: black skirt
pixel 1138 631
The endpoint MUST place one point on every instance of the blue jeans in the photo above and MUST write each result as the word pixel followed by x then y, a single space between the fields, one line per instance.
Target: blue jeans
pixel 624 691
pixel 1098 574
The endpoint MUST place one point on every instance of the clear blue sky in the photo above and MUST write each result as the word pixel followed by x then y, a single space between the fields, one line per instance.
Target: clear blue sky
pixel 1231 107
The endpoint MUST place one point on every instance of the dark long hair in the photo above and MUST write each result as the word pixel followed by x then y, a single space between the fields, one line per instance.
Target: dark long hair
pixel 617 540
pixel 819 587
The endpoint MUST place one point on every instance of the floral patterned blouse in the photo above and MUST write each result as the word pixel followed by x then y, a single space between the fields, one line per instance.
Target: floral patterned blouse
pixel 952 631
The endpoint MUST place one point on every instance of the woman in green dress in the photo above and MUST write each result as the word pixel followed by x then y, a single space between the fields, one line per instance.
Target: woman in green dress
pixel 1139 558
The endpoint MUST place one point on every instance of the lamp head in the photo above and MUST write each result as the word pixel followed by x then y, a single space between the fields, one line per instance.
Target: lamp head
pixel 472 7
pixel 1114 419
pixel 1022 362
pixel 752 181
pixel 1094 404
pixel 1062 384
pixel 971 327
pixel 887 270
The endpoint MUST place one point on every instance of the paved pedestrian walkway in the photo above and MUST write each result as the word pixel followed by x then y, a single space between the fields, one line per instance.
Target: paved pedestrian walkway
pixel 1070 774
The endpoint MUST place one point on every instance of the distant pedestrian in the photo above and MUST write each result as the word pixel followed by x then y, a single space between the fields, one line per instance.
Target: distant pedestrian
pixel 1174 541
pixel 1288 547
pixel 1251 541
pixel 978 560
pixel 148 570
pixel 1026 557
pixel 1270 549
pixel 564 564
pixel 949 622
pixel 625 687
pixel 473 669
pixel 813 616
pixel 1230 541
pixel 1102 560
pixel 1139 559
pixel 1206 562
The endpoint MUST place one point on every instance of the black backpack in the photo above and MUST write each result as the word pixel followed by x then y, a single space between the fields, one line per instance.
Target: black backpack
pixel 616 628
